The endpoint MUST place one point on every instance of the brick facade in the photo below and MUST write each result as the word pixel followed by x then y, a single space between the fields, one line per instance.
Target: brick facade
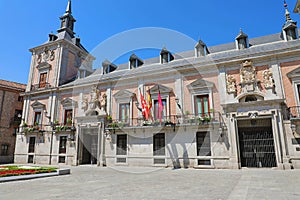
pixel 11 104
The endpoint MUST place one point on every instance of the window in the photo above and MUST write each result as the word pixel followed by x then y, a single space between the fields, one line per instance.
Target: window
pixel 291 34
pixel 43 80
pixel 159 144
pixel 4 149
pixel 37 118
pixel 61 159
pixel 201 105
pixel 242 43
pixel 31 145
pixel 122 144
pixel 166 56
pixel 164 111
pixel 68 116
pixel 203 144
pixel 124 112
pixel 30 159
pixel 20 98
pixel 62 144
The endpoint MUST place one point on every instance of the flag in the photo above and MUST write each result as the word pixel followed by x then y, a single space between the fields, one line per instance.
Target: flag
pixel 160 107
pixel 149 99
pixel 145 108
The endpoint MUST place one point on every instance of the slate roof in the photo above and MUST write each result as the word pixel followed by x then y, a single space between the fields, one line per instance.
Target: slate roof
pixel 258 45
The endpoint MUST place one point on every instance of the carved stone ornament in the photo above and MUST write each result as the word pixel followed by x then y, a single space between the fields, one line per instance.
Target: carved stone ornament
pixel 230 84
pixel 268 78
pixel 103 102
pixel 94 106
pixel 247 72
pixel 48 55
pixel 39 58
pixel 84 103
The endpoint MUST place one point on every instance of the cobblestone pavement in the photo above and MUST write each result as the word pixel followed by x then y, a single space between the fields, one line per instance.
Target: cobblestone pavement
pixel 91 182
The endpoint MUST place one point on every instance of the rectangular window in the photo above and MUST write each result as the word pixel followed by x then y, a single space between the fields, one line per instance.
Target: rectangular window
pixel 43 80
pixel 122 144
pixel 164 111
pixel 31 145
pixel 4 149
pixel 159 144
pixel 201 103
pixel 30 159
pixel 20 98
pixel 68 116
pixel 61 159
pixel 37 118
pixel 62 144
pixel 203 144
pixel 124 112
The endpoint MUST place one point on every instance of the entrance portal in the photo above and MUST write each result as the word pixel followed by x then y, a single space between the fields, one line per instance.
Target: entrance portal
pixel 256 143
pixel 89 146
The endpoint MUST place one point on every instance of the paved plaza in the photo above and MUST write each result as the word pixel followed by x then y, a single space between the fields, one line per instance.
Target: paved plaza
pixel 91 182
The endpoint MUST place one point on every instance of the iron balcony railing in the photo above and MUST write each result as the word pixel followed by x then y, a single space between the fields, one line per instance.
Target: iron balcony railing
pixel 40 86
pixel 173 120
pixel 56 127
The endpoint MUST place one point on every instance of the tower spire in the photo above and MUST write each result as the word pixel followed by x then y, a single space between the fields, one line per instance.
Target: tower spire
pixel 67 21
pixel 69 8
pixel 289 28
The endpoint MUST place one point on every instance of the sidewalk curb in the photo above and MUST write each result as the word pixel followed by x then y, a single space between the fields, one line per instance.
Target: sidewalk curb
pixel 33 176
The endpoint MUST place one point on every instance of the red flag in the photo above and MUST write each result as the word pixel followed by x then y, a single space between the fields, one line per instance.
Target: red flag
pixel 145 108
pixel 160 106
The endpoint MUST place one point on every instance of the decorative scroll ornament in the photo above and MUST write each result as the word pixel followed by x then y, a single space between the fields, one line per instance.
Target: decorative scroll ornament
pixel 247 72
pixel 268 78
pixel 230 83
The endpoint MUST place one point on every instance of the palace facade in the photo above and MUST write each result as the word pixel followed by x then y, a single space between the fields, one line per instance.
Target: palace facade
pixel 11 104
pixel 229 106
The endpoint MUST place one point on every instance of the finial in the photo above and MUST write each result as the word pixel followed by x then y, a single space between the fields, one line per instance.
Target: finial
pixel 69 9
pixel 287 13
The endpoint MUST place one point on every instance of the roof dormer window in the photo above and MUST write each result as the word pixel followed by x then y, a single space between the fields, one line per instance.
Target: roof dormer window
pixel 135 62
pixel 201 49
pixel 108 67
pixel 242 40
pixel 165 56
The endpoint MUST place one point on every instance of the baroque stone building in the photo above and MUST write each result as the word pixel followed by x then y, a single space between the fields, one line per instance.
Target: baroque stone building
pixel 228 106
pixel 11 104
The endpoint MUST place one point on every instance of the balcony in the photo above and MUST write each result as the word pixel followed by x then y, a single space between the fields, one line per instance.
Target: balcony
pixel 173 121
pixel 40 86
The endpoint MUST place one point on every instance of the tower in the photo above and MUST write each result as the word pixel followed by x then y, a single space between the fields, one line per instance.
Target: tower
pixel 61 59
pixel 289 29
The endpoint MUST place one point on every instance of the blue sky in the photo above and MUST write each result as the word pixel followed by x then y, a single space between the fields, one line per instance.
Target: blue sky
pixel 26 24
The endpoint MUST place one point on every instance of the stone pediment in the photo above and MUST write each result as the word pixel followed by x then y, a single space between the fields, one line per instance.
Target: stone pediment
pixel 43 65
pixel 68 102
pixel 161 88
pixel 38 105
pixel 200 84
pixel 123 94
pixel 294 73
